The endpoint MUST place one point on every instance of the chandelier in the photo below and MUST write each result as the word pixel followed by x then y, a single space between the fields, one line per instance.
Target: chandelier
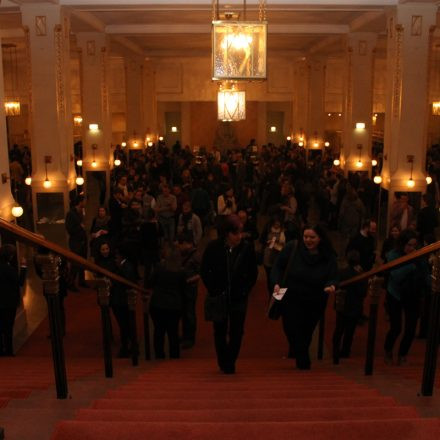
pixel 12 106
pixel 239 47
pixel 436 108
pixel 231 103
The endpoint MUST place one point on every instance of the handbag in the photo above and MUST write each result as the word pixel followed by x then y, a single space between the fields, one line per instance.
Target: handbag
pixel 275 308
pixel 216 308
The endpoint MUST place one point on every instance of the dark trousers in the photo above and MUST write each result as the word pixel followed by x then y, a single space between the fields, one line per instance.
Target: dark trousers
pixel 7 319
pixel 76 271
pixel 189 318
pixel 410 310
pixel 302 319
pixel 227 337
pixel 122 315
pixel 166 322
pixel 344 331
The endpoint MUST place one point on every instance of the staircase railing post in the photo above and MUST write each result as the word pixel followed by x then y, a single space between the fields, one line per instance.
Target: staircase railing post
pixel 146 306
pixel 102 286
pixel 321 337
pixel 339 308
pixel 374 290
pixel 132 301
pixel 433 340
pixel 49 265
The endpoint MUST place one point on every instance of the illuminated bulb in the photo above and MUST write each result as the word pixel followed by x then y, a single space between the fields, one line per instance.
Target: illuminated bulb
pixel 359 163
pixel 377 179
pixel 327 144
pixel 161 138
pixel 360 125
pixel 79 162
pixel 47 183
pixel 301 144
pixel 93 127
pixel 150 144
pixel 117 162
pixel 17 211
pixel 428 180
pixel 148 139
pixel 28 180
pixel 79 180
pixel 329 114
pixel 374 162
pixel 174 129
pixel 410 183
pixel 289 138
pixel 135 144
pixel 273 129
pixel 316 144
pixel 301 138
pixel 336 162
pixel 124 144
pixel 339 114
pixel 94 164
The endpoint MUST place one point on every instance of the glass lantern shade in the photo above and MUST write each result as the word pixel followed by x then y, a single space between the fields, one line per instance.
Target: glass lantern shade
pixel 12 108
pixel 239 50
pixel 436 108
pixel 231 105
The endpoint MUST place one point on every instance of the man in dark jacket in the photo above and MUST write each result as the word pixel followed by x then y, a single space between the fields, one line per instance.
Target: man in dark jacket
pixel 229 268
pixel 77 239
pixel 11 280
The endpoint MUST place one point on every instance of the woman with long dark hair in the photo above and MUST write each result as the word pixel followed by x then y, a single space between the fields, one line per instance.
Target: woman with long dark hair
pixel 311 276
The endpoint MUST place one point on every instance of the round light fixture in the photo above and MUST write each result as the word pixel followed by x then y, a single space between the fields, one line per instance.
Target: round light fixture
pixel 336 162
pixel 301 144
pixel 117 162
pixel 28 180
pixel 161 138
pixel 374 162
pixel 47 183
pixel 377 180
pixel 79 180
pixel 17 210
pixel 428 180
pixel 326 144
pixel 79 162
pixel 94 164
pixel 123 144
pixel 359 164
pixel 288 138
pixel 410 183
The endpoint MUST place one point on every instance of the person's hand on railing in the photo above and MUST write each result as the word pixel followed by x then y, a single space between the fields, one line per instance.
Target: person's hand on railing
pixel 330 289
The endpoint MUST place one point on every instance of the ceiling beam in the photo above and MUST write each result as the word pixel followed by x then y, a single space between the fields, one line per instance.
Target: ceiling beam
pixel 144 29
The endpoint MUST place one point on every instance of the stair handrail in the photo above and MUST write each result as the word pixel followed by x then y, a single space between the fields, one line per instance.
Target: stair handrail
pixel 23 234
pixel 390 265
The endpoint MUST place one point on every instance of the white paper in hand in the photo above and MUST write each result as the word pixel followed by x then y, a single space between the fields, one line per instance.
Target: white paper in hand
pixel 279 295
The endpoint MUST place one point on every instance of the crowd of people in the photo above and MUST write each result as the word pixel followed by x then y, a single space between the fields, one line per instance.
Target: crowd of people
pixel 175 217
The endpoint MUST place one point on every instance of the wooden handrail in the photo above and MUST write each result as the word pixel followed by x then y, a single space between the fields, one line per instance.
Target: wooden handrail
pixel 397 262
pixel 23 234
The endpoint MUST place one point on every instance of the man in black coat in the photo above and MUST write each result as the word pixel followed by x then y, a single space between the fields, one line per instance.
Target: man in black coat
pixel 11 280
pixel 77 239
pixel 229 268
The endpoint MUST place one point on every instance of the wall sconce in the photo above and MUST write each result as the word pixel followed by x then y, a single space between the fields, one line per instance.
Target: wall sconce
pixel 135 144
pixel 117 162
pixel 28 180
pixel 327 144
pixel 377 179
pixel 428 180
pixel 436 108
pixel 359 163
pixel 410 182
pixel 123 144
pixel 94 127
pixel 273 129
pixel 174 129
pixel 12 108
pixel 47 183
pixel 77 121
pixel 160 138
pixel 374 162
pixel 336 162
pixel 79 180
pixel 360 125
pixel 94 147
pixel 17 210
pixel 289 138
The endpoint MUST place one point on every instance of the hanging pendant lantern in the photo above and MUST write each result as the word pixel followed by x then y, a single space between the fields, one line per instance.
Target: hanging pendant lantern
pixel 231 103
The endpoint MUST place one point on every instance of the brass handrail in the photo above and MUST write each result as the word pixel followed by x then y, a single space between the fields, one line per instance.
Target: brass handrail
pixel 23 234
pixel 398 261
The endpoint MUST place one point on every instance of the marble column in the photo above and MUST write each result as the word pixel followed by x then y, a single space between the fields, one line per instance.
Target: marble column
pixel 47 39
pixel 135 130
pixel 406 116
pixel 95 101
pixel 358 106
pixel 6 199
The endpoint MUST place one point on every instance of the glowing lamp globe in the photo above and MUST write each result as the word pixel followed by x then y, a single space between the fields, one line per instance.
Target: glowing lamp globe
pixel 94 164
pixel 336 162
pixel 47 184
pixel 377 180
pixel 410 183
pixel 28 180
pixel 374 162
pixel 79 180
pixel 79 162
pixel 117 162
pixel 326 144
pixel 428 180
pixel 301 144
pixel 17 211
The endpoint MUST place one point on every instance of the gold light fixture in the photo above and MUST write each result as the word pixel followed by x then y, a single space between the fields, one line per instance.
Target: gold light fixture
pixel 12 108
pixel 77 120
pixel 238 46
pixel 94 148
pixel 436 108
pixel 231 103
pixel 410 182
pixel 47 183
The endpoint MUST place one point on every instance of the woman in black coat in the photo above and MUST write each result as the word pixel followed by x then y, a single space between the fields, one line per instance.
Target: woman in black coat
pixel 10 280
pixel 229 268
pixel 311 276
